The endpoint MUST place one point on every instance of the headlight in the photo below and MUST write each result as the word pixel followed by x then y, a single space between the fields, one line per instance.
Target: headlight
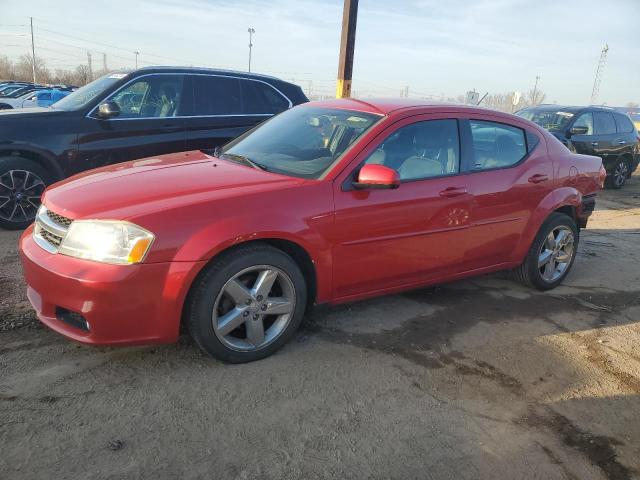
pixel 107 241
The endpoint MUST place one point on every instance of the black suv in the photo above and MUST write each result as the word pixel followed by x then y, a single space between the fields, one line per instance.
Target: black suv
pixel 126 116
pixel 593 130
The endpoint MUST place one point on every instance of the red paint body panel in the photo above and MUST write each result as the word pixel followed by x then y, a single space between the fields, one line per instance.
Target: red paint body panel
pixel 361 242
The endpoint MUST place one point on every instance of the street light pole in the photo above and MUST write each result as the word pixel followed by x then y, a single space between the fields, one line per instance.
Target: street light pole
pixel 251 32
pixel 137 53
pixel 33 52
pixel 535 90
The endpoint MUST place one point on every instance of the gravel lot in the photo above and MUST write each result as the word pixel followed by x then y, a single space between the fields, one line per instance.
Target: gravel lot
pixel 475 379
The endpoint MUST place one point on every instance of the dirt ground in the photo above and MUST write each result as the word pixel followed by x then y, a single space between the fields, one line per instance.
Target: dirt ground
pixel 475 379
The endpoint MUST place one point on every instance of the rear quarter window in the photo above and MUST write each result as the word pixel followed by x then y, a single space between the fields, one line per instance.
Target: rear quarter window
pixel 261 98
pixel 623 123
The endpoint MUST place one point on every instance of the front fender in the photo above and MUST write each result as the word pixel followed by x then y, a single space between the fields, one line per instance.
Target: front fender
pixel 565 196
pixel 215 238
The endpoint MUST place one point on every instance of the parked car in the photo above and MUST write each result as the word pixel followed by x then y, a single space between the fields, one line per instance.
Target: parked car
pixel 43 98
pixel 30 99
pixel 125 116
pixel 600 131
pixel 11 87
pixel 328 202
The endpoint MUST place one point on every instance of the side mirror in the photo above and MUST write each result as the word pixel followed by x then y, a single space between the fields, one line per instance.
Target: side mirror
pixel 377 176
pixel 579 130
pixel 108 110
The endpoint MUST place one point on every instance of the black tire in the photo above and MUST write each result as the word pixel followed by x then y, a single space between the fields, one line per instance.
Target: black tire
pixel 621 171
pixel 208 287
pixel 22 217
pixel 529 273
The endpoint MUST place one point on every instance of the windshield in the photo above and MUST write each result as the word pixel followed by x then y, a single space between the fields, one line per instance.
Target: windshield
pixel 81 97
pixel 301 142
pixel 547 119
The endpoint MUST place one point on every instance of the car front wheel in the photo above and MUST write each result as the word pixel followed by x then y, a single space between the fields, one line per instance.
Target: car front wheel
pixel 22 182
pixel 551 255
pixel 247 304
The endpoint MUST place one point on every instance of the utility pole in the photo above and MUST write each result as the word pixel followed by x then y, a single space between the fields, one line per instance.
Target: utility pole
pixel 535 90
pixel 33 52
pixel 104 62
pixel 596 81
pixel 251 32
pixel 137 53
pixel 90 73
pixel 347 46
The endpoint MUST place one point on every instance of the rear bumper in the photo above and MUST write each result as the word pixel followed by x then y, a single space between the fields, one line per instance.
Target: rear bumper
pixel 109 304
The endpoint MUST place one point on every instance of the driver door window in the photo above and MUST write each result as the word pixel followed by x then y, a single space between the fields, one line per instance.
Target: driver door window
pixel 421 150
pixel 585 120
pixel 150 97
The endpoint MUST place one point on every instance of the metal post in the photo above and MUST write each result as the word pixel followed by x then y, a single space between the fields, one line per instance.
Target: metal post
pixel 347 45
pixel 104 62
pixel 137 53
pixel 33 52
pixel 251 32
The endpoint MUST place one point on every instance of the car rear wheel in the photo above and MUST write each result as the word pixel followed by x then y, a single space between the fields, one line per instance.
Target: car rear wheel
pixel 551 255
pixel 22 183
pixel 619 176
pixel 247 304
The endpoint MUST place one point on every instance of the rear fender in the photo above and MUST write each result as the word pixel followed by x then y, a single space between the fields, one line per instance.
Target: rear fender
pixel 565 196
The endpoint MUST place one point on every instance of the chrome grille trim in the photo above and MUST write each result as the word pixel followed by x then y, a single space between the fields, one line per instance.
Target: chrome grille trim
pixel 50 229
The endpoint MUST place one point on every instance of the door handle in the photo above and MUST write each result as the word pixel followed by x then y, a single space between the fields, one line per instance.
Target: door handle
pixel 538 178
pixel 595 144
pixel 622 142
pixel 452 192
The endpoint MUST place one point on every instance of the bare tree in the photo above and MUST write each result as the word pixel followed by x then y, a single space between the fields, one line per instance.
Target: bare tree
pixel 6 68
pixel 23 69
pixel 629 105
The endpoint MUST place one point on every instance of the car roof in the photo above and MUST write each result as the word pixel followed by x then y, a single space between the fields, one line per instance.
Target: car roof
pixel 220 71
pixel 569 108
pixel 385 106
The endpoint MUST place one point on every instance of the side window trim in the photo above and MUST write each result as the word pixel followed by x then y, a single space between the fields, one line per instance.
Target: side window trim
pixel 184 83
pixel 469 147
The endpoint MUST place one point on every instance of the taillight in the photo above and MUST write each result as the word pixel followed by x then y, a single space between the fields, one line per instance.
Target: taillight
pixel 602 176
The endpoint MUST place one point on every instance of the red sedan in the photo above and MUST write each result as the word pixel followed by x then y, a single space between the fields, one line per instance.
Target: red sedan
pixel 328 202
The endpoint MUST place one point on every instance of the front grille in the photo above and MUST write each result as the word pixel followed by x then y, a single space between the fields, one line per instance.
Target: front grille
pixel 52 238
pixel 59 219
pixel 50 229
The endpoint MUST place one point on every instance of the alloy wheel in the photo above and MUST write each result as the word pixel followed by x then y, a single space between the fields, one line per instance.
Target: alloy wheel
pixel 556 253
pixel 253 308
pixel 620 173
pixel 20 192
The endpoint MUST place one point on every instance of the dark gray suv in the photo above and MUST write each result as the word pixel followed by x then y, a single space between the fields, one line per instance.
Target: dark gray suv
pixel 126 116
pixel 601 131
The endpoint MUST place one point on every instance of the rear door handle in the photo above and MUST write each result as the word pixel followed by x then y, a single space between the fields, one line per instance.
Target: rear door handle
pixel 452 192
pixel 538 178
pixel 595 144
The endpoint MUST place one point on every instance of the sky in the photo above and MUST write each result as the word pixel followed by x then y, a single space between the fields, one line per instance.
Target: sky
pixel 435 47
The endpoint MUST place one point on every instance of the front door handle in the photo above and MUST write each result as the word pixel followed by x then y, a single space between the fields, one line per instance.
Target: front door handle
pixel 622 142
pixel 538 178
pixel 452 192
pixel 595 144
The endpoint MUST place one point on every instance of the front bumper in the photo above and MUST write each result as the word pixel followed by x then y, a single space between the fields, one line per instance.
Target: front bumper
pixel 120 304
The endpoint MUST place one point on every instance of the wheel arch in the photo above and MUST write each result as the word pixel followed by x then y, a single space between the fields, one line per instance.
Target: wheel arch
pixel 45 159
pixel 565 200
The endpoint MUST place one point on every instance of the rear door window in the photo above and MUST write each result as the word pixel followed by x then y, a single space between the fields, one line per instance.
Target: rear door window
pixel 216 95
pixel 496 145
pixel 604 123
pixel 623 123
pixel 261 98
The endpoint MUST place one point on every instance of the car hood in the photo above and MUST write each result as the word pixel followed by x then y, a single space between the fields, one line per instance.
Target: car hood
pixel 28 112
pixel 144 186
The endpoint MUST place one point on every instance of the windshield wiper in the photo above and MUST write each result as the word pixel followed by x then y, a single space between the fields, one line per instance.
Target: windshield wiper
pixel 245 160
